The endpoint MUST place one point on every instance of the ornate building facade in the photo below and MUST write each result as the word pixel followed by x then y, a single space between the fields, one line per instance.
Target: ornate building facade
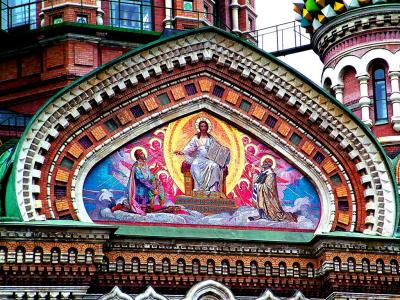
pixel 197 166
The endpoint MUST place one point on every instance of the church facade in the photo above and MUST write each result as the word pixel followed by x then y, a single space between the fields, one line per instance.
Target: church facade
pixel 198 166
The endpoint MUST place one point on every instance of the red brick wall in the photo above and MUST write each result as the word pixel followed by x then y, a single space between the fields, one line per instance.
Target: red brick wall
pixel 34 77
pixel 31 64
pixel 351 86
pixel 8 69
pixel 158 15
pixel 69 14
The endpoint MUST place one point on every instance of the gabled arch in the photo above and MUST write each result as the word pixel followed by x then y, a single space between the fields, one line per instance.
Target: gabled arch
pixel 209 287
pixel 150 294
pixel 382 54
pixel 116 293
pixel 213 106
pixel 270 85
pixel 335 73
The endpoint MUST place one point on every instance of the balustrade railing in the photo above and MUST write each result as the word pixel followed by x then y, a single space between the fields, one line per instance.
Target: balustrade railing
pixel 282 39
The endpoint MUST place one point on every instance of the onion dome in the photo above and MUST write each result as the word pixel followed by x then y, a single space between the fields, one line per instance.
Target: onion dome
pixel 312 14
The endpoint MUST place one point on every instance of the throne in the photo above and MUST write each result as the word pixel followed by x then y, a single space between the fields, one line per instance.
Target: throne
pixel 189 184
pixel 208 203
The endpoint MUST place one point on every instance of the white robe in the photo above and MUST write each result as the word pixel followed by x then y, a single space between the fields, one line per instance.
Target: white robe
pixel 205 172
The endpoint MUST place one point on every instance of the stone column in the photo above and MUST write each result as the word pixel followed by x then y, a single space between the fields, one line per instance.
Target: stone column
pixel 235 15
pixel 338 89
pixel 168 15
pixel 395 99
pixel 99 13
pixel 365 101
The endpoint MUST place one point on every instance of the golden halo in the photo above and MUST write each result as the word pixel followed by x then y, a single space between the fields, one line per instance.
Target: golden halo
pixel 254 147
pixel 162 172
pixel 155 139
pixel 197 123
pixel 137 148
pixel 181 131
pixel 270 157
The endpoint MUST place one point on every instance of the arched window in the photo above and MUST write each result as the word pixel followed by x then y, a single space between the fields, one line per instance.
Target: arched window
pixel 379 87
pixel 196 266
pixel 328 86
pixel 239 268
pixel 181 266
pixel 351 86
pixel 253 268
pixel 296 270
pixel 150 265
pixel 365 265
pixel 104 264
pixel 210 267
pixel 165 265
pixel 72 253
pixel 55 255
pixel 310 270
pixel 282 269
pixel 268 269
pixel 394 266
pixel 120 264
pixel 135 265
pixel 225 267
pixel 336 264
pixel 37 255
pixel 351 263
pixel 20 255
pixel 89 256
pixel 379 266
pixel 3 255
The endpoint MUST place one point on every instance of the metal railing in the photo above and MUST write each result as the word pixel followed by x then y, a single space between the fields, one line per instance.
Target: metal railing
pixel 126 14
pixel 282 39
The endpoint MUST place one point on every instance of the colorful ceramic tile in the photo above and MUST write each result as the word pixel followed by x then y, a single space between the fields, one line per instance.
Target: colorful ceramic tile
pixel 316 24
pixel 311 6
pixel 350 4
pixel 338 7
pixel 328 12
pixel 201 171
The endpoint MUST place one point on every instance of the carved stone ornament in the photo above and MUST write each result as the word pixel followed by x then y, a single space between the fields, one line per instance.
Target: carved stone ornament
pixel 150 294
pixel 209 289
pixel 298 296
pixel 116 294
pixel 268 295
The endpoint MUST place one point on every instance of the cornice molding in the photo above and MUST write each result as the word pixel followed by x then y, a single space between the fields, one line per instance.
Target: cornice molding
pixel 355 22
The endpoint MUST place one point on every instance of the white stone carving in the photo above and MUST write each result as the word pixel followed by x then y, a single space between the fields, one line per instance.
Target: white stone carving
pixel 116 294
pixel 298 296
pixel 268 295
pixel 42 292
pixel 206 45
pixel 211 287
pixel 150 294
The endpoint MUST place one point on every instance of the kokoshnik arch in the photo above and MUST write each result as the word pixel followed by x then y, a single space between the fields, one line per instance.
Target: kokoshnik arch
pixel 255 104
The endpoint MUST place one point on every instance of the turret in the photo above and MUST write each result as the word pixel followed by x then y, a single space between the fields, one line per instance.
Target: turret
pixel 359 42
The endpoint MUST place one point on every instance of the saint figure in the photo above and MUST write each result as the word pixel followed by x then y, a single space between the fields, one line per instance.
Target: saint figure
pixel 143 187
pixel 265 195
pixel 207 173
